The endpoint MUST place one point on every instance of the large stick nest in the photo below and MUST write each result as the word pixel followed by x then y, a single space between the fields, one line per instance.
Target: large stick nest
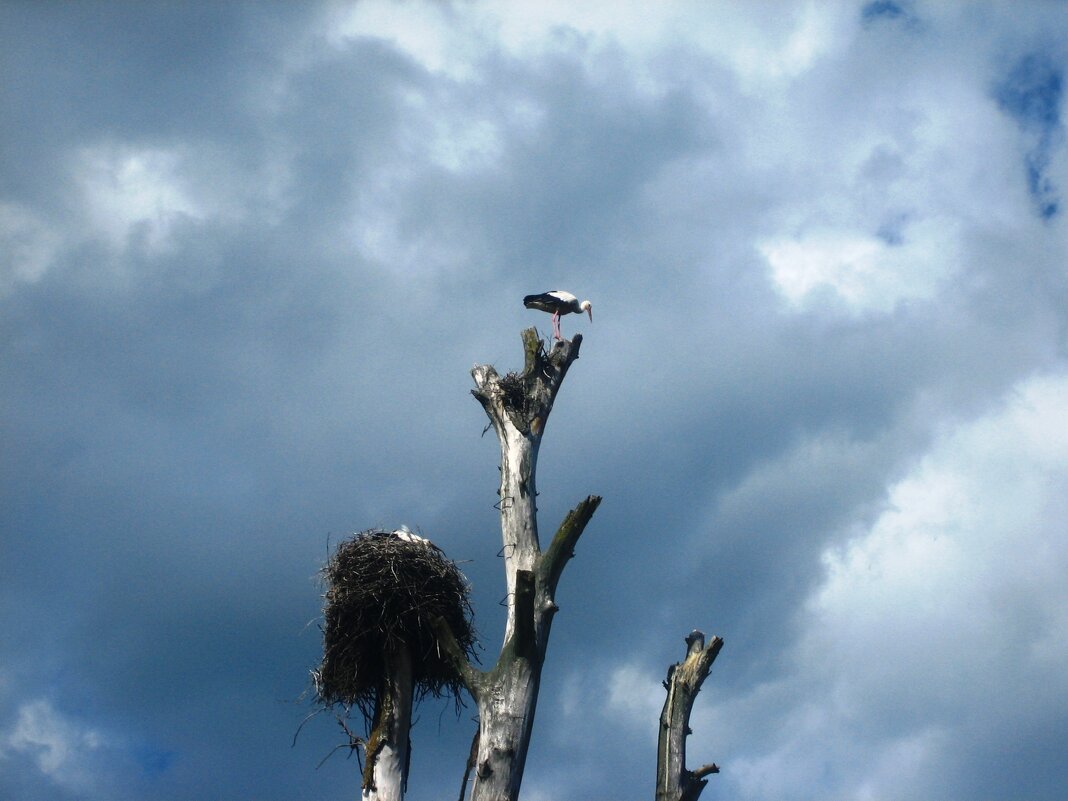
pixel 383 593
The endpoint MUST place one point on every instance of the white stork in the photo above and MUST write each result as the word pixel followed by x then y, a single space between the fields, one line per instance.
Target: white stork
pixel 557 303
pixel 407 535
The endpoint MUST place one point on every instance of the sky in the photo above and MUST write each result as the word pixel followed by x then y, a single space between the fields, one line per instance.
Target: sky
pixel 249 253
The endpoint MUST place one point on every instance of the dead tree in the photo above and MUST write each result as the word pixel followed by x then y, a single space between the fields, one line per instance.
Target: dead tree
pixel 518 406
pixel 674 782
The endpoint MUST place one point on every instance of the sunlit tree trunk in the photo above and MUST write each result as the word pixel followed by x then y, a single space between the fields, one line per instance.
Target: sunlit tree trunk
pixel 386 759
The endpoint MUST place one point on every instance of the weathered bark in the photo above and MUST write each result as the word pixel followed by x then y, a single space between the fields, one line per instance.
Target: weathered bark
pixel 518 406
pixel 385 773
pixel 673 781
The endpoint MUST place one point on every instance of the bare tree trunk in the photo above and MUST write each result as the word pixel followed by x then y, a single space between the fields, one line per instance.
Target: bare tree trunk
pixel 385 773
pixel 518 406
pixel 673 781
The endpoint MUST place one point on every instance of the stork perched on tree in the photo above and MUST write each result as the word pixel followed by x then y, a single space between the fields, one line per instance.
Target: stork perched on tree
pixel 558 303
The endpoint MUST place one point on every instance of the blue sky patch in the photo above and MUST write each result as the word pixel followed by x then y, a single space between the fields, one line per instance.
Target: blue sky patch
pixel 880 10
pixel 154 761
pixel 1032 94
pixel 1040 185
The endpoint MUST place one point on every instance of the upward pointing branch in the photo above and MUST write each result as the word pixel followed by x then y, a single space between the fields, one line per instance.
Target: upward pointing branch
pixel 562 548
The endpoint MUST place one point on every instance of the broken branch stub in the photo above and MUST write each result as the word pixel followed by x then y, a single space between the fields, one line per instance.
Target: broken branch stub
pixel 525 399
pixel 674 782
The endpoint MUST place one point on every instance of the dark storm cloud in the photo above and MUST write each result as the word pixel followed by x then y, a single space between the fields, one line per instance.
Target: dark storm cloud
pixel 128 401
pixel 147 71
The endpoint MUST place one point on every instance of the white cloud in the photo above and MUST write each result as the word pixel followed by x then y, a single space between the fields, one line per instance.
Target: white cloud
pixel 810 758
pixel 906 644
pixel 884 169
pixel 632 697
pixel 771 46
pixel 763 43
pixel 428 33
pixel 59 747
pixel 131 191
pixel 863 270
pixel 635 697
pixel 460 145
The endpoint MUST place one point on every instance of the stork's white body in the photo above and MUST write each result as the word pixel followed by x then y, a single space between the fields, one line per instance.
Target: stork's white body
pixel 406 534
pixel 557 303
